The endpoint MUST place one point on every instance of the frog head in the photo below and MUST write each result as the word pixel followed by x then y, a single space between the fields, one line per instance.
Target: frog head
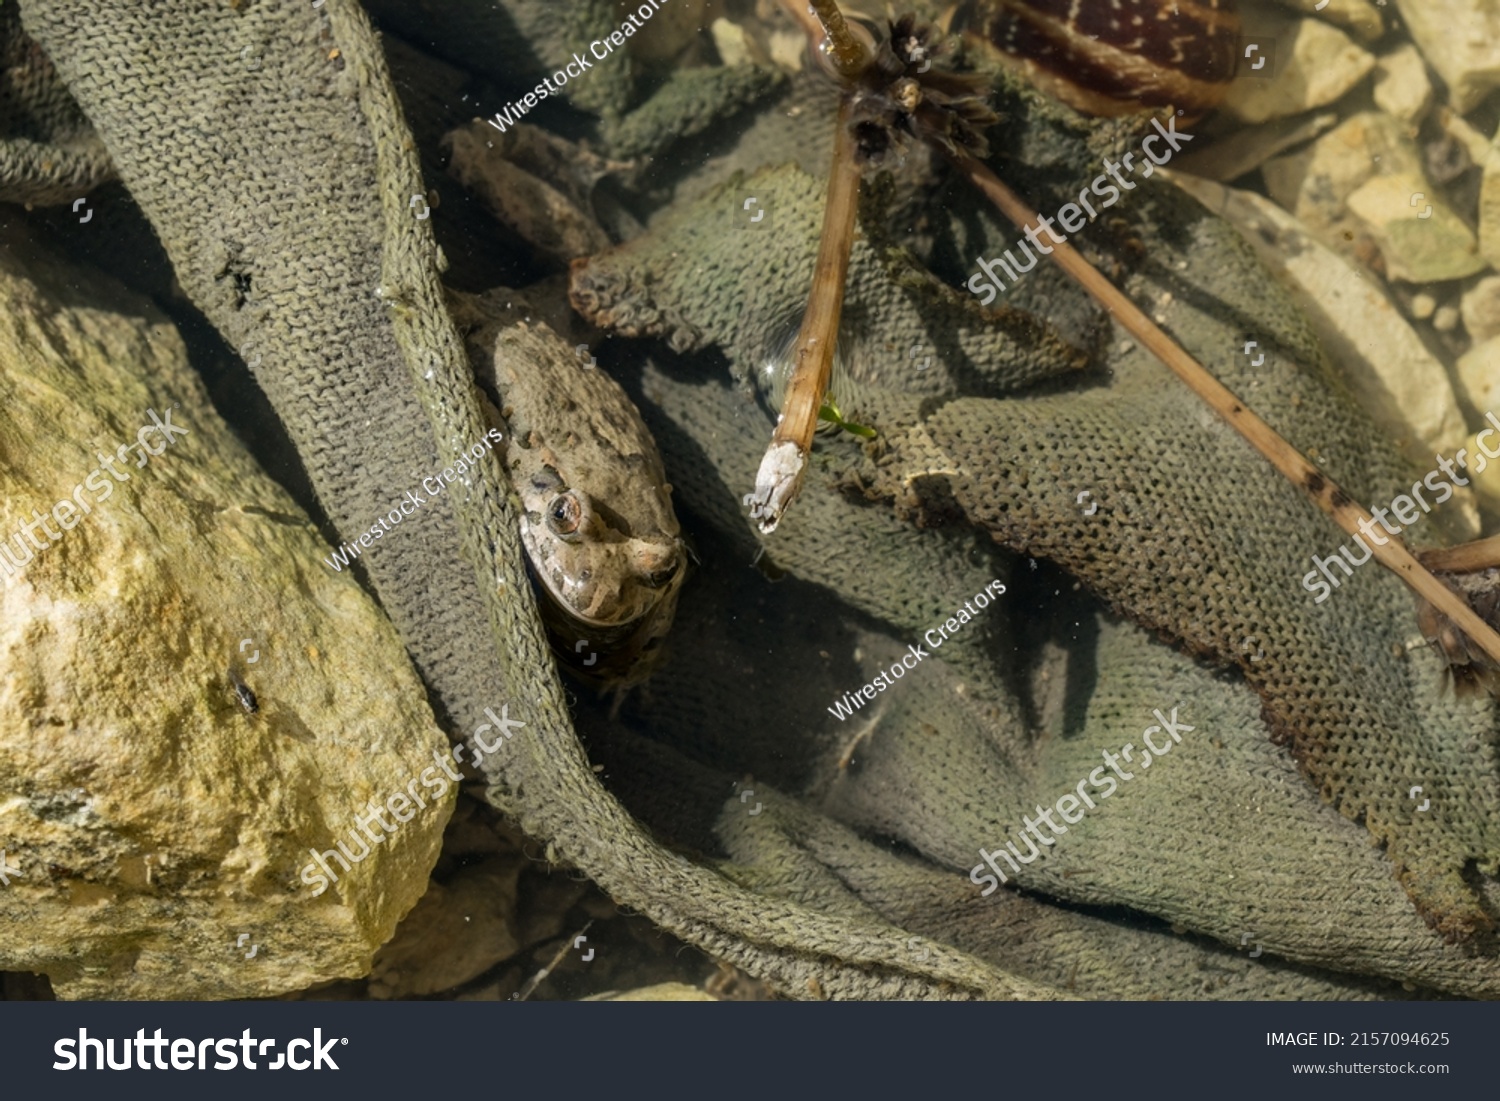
pixel 602 566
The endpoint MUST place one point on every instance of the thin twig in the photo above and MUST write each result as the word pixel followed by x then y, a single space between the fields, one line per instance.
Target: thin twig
pixel 1295 467
pixel 537 979
pixel 1481 554
pixel 781 470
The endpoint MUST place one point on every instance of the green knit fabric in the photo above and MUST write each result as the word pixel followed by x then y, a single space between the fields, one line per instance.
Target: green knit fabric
pixel 283 195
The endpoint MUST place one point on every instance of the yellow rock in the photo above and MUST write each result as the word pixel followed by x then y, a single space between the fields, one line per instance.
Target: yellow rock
pixel 159 820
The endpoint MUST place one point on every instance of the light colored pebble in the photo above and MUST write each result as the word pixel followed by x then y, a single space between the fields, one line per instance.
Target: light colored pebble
pixel 1402 89
pixel 1481 309
pixel 1247 149
pixel 1421 239
pixel 1359 17
pixel 1315 65
pixel 1461 41
pixel 788 48
pixel 1489 206
pixel 1478 374
pixel 1446 319
pixel 1485 482
pixel 1422 306
pixel 1460 130
pixel 729 40
pixel 1314 183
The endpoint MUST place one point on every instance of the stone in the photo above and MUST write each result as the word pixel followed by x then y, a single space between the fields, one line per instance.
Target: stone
pixel 1359 17
pixel 1401 87
pixel 1481 309
pixel 661 992
pixel 1446 319
pixel 1458 128
pixel 1246 149
pixel 1489 206
pixel 1405 388
pixel 458 931
pixel 162 828
pixel 1461 41
pixel 1478 374
pixel 1421 239
pixel 1314 183
pixel 670 30
pixel 729 40
pixel 1356 189
pixel 1486 482
pixel 788 48
pixel 1422 306
pixel 1316 64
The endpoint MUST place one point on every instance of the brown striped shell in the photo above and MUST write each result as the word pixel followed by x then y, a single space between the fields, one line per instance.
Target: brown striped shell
pixel 1111 57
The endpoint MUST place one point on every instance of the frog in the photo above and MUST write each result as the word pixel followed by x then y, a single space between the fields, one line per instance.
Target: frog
pixel 603 544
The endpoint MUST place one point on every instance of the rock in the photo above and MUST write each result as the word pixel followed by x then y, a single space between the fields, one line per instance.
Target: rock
pixel 1420 237
pixel 1402 89
pixel 1422 306
pixel 1481 309
pixel 661 992
pixel 458 931
pixel 1359 17
pixel 788 48
pixel 1246 149
pixel 1315 65
pixel 669 31
pixel 1446 319
pixel 1478 373
pixel 1314 183
pixel 1459 129
pixel 1486 482
pixel 729 40
pixel 1489 206
pixel 1385 363
pixel 1461 41
pixel 161 831
pixel 1370 155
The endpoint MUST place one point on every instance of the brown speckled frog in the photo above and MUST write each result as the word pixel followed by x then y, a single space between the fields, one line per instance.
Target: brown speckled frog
pixel 602 542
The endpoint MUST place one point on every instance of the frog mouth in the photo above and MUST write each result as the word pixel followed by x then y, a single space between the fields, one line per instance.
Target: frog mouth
pixel 620 652
pixel 613 647
pixel 557 608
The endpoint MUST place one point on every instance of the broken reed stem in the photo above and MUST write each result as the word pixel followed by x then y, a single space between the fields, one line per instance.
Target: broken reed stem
pixel 781 470
pixel 1295 467
pixel 844 50
pixel 1481 554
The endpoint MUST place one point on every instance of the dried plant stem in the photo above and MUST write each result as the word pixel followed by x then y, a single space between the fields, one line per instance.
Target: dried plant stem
pixel 847 53
pixel 781 471
pixel 1293 465
pixel 541 976
pixel 1481 554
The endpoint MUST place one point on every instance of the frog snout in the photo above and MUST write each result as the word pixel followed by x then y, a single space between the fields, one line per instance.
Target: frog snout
pixel 657 563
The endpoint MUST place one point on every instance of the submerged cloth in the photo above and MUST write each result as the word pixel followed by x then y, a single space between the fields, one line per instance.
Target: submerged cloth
pixel 831 855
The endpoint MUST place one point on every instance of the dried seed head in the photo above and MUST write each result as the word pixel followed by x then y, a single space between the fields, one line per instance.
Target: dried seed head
pixel 905 95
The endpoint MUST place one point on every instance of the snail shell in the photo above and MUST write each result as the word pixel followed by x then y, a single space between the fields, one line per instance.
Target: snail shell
pixel 1112 57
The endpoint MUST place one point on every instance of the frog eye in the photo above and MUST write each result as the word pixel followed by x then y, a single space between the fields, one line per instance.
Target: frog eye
pixel 665 574
pixel 564 514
